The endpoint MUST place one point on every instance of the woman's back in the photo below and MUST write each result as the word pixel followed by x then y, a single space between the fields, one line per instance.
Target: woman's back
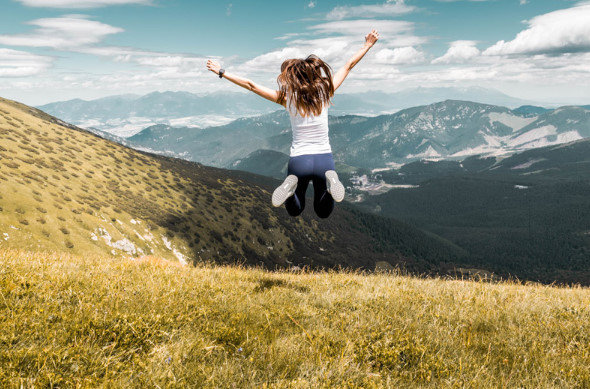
pixel 310 133
pixel 306 87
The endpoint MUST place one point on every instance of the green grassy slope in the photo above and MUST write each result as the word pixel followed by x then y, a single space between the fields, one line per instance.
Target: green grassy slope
pixel 69 321
pixel 65 189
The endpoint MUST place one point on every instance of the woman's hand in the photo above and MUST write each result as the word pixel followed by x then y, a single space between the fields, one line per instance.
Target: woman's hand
pixel 371 38
pixel 213 66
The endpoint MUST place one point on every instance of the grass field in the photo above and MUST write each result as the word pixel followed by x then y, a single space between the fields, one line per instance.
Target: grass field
pixel 68 321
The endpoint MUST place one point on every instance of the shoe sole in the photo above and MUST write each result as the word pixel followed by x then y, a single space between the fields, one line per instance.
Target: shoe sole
pixel 335 187
pixel 283 192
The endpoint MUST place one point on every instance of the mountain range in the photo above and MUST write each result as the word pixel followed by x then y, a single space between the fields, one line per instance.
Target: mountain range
pixel 446 130
pixel 124 115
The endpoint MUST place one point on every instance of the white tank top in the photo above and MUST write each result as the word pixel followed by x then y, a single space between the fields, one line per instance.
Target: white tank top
pixel 310 133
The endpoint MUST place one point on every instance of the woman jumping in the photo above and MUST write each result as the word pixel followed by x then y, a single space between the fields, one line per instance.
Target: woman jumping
pixel 306 87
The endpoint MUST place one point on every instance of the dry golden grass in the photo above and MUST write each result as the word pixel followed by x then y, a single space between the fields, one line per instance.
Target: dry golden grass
pixel 101 322
pixel 65 189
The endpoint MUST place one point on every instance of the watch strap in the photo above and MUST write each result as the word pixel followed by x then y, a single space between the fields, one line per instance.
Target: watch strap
pixel 221 71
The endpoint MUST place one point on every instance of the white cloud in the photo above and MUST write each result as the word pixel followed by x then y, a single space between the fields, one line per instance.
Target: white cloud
pixel 79 3
pixel 168 63
pixel 311 4
pixel 549 71
pixel 400 56
pixel 458 52
pixel 390 8
pixel 14 63
pixel 557 32
pixel 523 2
pixel 70 31
pixel 291 35
pixel 337 40
pixel 75 33
pixel 329 49
pixel 394 33
pixel 228 9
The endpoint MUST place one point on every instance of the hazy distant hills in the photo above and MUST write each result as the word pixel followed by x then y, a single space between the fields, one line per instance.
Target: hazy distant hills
pixel 66 189
pixel 222 145
pixel 375 102
pixel 450 129
pixel 124 115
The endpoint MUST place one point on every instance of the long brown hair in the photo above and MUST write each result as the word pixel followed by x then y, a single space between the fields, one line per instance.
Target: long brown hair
pixel 307 83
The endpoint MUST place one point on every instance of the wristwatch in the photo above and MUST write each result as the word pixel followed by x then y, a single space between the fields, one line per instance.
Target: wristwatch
pixel 221 71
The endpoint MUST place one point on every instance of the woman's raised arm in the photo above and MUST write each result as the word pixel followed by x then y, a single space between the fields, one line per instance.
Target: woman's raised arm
pixel 260 90
pixel 342 73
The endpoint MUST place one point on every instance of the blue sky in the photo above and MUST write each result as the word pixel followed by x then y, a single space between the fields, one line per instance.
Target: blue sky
pixel 61 49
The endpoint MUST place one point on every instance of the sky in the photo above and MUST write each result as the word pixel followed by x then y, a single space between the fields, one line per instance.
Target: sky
pixel 53 50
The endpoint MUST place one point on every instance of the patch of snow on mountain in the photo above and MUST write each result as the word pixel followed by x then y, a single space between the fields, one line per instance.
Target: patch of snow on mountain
pixel 569 136
pixel 543 142
pixel 428 153
pixel 493 141
pixel 483 149
pixel 528 164
pixel 533 135
pixel 565 137
pixel 512 121
pixel 400 186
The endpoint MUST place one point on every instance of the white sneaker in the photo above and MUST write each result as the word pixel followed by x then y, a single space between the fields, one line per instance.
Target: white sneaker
pixel 335 187
pixel 284 191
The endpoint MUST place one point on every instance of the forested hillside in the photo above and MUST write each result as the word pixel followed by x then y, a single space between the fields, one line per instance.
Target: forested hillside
pixel 527 215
